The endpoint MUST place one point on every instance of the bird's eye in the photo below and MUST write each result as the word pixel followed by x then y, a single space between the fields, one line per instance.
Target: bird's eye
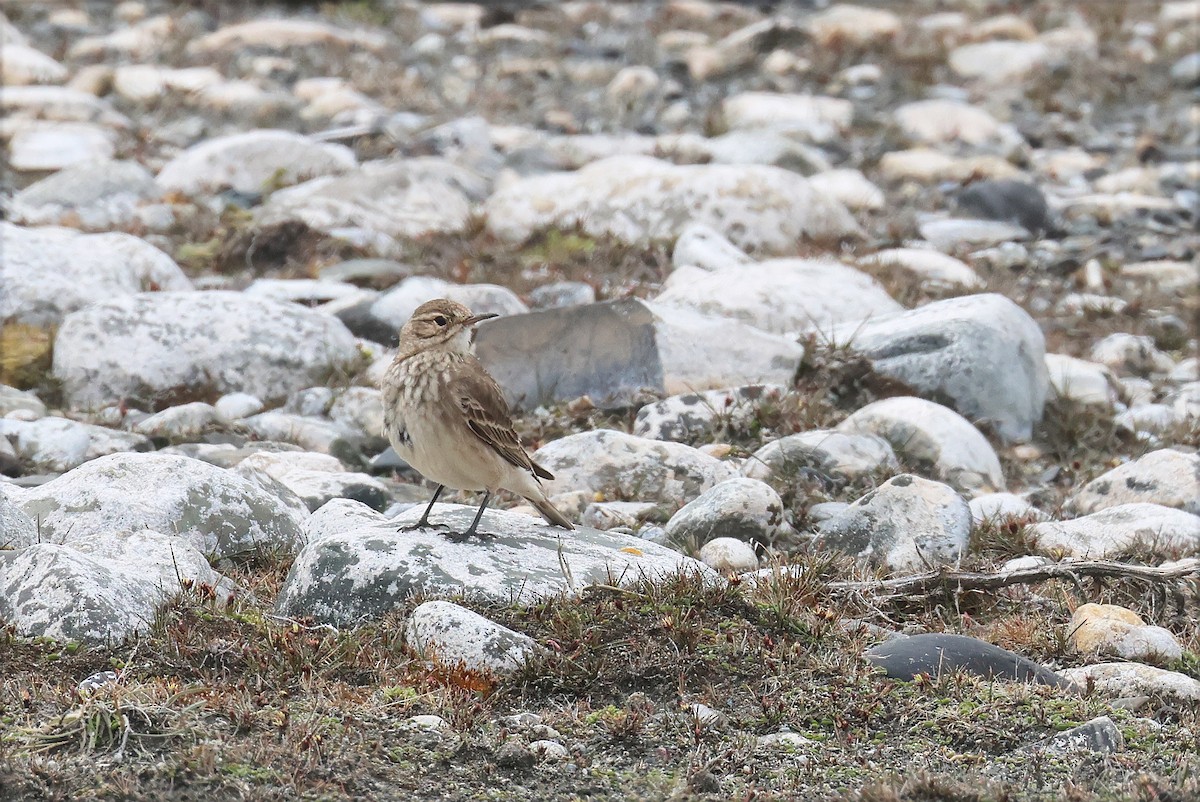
pixel 440 320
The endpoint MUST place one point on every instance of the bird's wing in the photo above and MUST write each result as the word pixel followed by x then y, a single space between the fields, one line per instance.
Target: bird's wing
pixel 486 414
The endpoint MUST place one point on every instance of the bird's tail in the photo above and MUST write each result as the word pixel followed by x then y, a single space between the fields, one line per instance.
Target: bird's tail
pixel 547 509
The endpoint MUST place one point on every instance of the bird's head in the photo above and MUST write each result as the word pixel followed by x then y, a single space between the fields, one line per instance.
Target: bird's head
pixel 439 323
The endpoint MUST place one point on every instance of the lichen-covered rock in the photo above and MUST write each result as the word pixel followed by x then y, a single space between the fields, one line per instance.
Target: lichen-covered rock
pixel 640 200
pixel 780 295
pixel 1167 477
pixel 102 588
pixel 981 354
pixel 310 432
pixel 839 456
pixel 691 415
pixel 1122 680
pixel 97 196
pixel 1131 354
pixel 49 272
pixel 936 439
pixel 58 444
pixel 459 640
pixel 183 422
pixel 16 528
pixel 358 565
pixel 740 508
pixel 252 162
pixel 198 344
pixel 907 524
pixel 215 510
pixel 625 467
pixel 1115 529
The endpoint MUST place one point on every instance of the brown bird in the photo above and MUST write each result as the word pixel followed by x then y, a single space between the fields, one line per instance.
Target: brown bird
pixel 446 416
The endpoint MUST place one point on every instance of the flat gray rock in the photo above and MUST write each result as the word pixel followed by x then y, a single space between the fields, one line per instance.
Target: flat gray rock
pixel 839 456
pixel 1114 529
pixel 49 272
pixel 982 355
pixel 906 525
pixel 252 162
pixel 614 352
pixel 194 346
pixel 357 566
pixel 214 510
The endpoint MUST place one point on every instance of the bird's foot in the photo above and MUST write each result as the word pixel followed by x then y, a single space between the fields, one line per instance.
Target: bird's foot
pixel 463 537
pixel 424 525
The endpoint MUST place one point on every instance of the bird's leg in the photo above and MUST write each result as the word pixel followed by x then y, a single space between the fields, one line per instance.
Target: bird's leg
pixel 424 522
pixel 487 495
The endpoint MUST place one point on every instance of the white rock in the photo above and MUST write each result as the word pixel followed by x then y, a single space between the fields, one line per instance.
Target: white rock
pixel 605 515
pixel 1165 273
pixel 307 431
pixel 737 510
pixel 284 34
pixel 940 121
pixel 1130 353
pixel 814 117
pixel 308 291
pixel 1116 529
pixel 1115 630
pixel 996 506
pixel 728 555
pixel 142 41
pixel 104 587
pixel 1116 680
pixel 1166 476
pixel 360 408
pixel 841 456
pixel 935 437
pixel 234 406
pixel 844 23
pixel 399 200
pixel 780 295
pixel 183 422
pixel 316 478
pixel 49 272
pixel 12 399
pixel 1081 304
pixel 639 200
pixel 999 61
pixel 16 528
pixel 1186 401
pixel 926 165
pixel 21 65
pixel 1145 419
pixel 850 188
pixel 907 524
pixel 1081 381
pixel 625 467
pixel 704 247
pixel 252 162
pixel 1188 370
pixel 60 104
pixel 170 342
pixel 216 511
pixel 935 269
pixel 58 444
pixel 949 234
pixel 358 566
pixel 53 146
pixel 982 353
pixel 140 83
pixel 96 196
pixel 782 741
pixel 458 639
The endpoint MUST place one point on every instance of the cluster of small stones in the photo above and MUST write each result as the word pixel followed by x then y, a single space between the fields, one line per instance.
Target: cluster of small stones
pixel 182 417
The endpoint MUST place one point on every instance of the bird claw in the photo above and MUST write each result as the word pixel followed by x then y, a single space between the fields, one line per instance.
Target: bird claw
pixel 463 537
pixel 426 525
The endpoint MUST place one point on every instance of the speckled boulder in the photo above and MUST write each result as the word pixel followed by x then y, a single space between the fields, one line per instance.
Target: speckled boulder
pixel 460 640
pixel 741 508
pixel 1167 477
pixel 839 456
pixel 907 524
pixel 359 565
pixel 198 344
pixel 690 415
pixel 16 528
pixel 640 200
pixel 103 587
pixel 625 467
pixel 59 444
pixel 214 510
pixel 936 439
pixel 1114 529
pixel 49 272
pixel 982 355
pixel 1117 680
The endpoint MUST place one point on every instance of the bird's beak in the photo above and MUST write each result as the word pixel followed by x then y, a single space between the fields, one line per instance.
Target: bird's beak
pixel 471 321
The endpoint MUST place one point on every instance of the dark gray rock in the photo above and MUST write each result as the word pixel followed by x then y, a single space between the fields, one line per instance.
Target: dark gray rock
pixel 1099 735
pixel 1009 201
pixel 938 653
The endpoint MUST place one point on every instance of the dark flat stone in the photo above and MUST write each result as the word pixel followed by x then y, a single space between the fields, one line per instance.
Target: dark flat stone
pixel 936 653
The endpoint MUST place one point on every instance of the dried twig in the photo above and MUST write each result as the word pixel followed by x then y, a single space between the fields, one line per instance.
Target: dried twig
pixel 1073 571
